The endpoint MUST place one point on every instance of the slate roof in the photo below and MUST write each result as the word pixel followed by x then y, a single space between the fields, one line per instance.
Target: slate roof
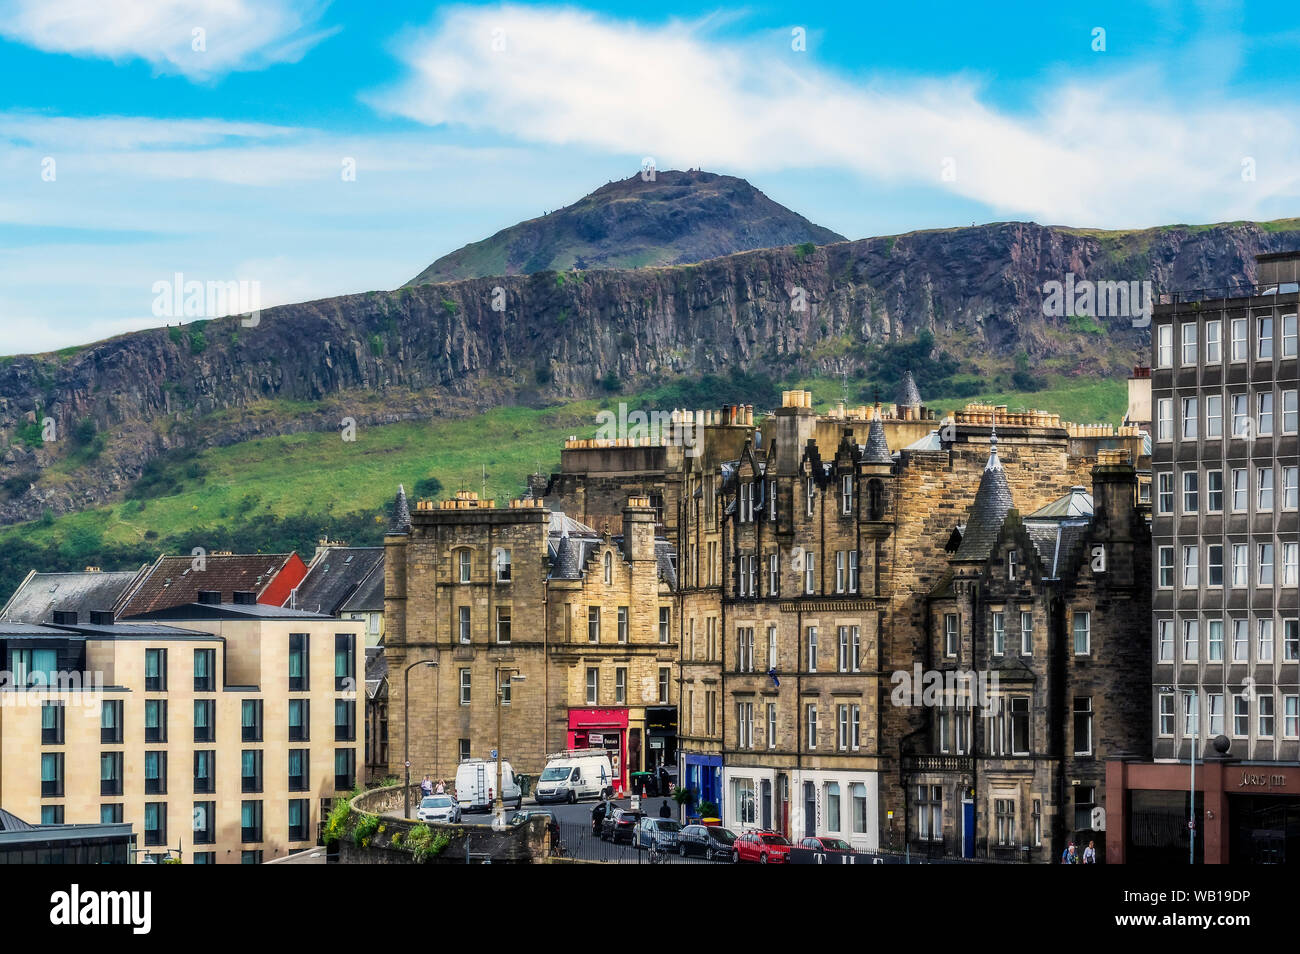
pixel 336 574
pixel 1077 503
pixel 1058 530
pixel 215 611
pixel 369 596
pixel 988 511
pixel 877 450
pixel 909 395
pixel 42 593
pixel 401 522
pixel 931 442
pixel 8 628
pixel 172 580
pixel 664 556
pixel 376 670
pixel 561 522
pixel 9 822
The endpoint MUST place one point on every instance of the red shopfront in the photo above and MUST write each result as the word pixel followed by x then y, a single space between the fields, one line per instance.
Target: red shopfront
pixel 601 729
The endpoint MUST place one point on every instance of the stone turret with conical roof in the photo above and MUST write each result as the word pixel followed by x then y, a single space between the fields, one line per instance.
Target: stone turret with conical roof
pixel 401 522
pixel 988 511
pixel 909 395
pixel 877 450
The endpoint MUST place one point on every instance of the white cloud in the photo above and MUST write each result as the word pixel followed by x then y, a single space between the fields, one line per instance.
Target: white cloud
pixel 1082 154
pixel 199 39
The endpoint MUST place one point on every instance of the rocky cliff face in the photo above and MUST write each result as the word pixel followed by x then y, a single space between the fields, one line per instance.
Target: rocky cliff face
pixel 445 349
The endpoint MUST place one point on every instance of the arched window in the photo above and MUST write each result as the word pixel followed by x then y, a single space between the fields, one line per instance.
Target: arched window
pixel 609 567
pixel 875 500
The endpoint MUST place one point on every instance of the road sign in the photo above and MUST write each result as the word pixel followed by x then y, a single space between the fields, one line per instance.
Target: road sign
pixel 494 754
pixel 408 763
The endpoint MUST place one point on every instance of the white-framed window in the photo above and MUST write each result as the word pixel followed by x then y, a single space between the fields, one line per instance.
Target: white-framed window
pixel 1214 565
pixel 1189 343
pixel 620 686
pixel 1291 564
pixel 811 492
pixel 1165 346
pixel 1165 492
pixel 745 649
pixel 1288 336
pixel 665 624
pixel 841 570
pixel 1166 567
pixel 1083 725
pixel 609 567
pixel 842 655
pixel 1165 419
pixel 1026 633
pixel 853 571
pixel 466 686
pixel 1240 640
pixel 1214 491
pixel 622 624
pixel 1264 337
pixel 950 634
pixel 1240 490
pixel 1191 492
pixel 464 624
pixel 1214 713
pixel 503 566
pixel 1265 577
pixel 773 573
pixel 772 658
pixel 1240 415
pixel 665 684
pixel 1240 715
pixel 1265 710
pixel 1213 341
pixel 1038 823
pixel 1290 412
pixel 855 727
pixel 1191 640
pixel 771 500
pixel 929 812
pixel 1082 633
pixel 1290 640
pixel 1191 715
pixel 1240 567
pixel 1165 640
pixel 999 634
pixel 811 721
pixel 465 565
pixel 846 493
pixel 744 725
pixel 1214 640
pixel 771 725
pixel 809 572
pixel 812 648
pixel 1166 713
pixel 1290 488
pixel 1190 430
pixel 593 685
pixel 1191 574
pixel 1264 629
pixel 593 624
pixel 1012 559
pixel 1214 416
pixel 1264 488
pixel 1291 716
pixel 1264 414
pixel 503 624
pixel 842 732
pixel 1237 330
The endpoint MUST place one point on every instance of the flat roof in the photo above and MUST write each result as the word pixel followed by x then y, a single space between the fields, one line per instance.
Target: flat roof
pixel 205 611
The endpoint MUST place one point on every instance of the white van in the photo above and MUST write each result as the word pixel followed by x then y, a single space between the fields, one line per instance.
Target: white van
pixel 581 773
pixel 476 782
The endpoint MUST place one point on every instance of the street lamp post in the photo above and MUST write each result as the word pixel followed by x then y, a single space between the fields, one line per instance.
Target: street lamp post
pixel 406 729
pixel 512 675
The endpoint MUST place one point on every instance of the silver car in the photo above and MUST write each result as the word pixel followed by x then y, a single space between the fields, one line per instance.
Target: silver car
pixel 438 808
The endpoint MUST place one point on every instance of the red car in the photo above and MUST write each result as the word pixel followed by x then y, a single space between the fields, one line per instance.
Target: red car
pixel 765 847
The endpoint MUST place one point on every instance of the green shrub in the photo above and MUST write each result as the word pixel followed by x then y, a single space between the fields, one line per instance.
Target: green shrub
pixel 198 343
pixel 364 830
pixel 377 346
pixel 31 435
pixel 449 306
pixel 338 822
pixel 804 249
pixel 176 335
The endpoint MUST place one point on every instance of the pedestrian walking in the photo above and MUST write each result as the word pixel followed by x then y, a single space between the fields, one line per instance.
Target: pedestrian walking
pixel 1090 854
pixel 1069 856
pixel 665 811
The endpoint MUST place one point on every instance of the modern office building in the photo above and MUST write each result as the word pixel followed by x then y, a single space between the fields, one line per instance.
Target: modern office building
pixel 1226 533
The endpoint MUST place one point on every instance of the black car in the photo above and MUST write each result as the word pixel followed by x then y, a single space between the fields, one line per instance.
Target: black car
pixel 710 841
pixel 621 825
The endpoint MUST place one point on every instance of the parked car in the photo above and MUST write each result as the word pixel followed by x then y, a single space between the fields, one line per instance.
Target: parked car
pixel 658 833
pixel 621 825
pixel 709 841
pixel 521 816
pixel 824 844
pixel 438 808
pixel 764 847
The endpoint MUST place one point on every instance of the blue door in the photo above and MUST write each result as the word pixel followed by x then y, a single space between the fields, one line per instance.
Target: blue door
pixel 968 828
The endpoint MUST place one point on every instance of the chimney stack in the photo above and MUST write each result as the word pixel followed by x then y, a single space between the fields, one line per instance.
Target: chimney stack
pixel 638 529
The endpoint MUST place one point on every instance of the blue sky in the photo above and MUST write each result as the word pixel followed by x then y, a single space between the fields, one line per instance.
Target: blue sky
pixel 209 137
